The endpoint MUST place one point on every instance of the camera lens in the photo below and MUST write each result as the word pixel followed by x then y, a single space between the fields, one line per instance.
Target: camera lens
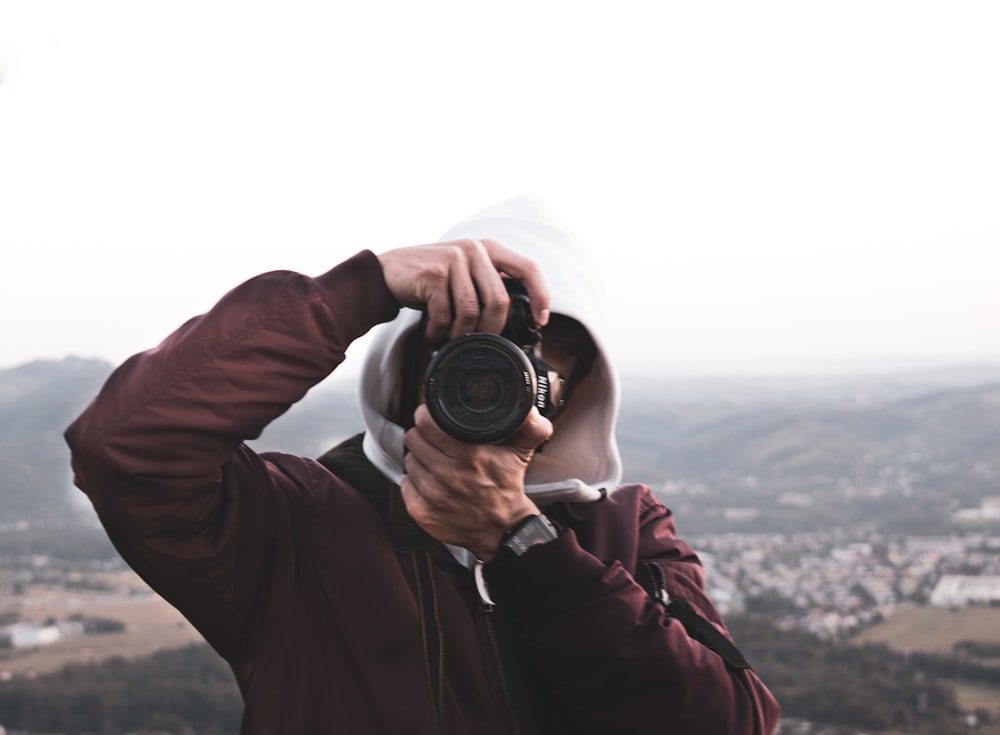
pixel 479 385
pixel 480 388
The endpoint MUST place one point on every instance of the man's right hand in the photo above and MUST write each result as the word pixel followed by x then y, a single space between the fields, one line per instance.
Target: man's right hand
pixel 469 495
pixel 459 285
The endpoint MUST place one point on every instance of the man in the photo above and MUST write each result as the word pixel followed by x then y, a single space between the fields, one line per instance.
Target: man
pixel 380 589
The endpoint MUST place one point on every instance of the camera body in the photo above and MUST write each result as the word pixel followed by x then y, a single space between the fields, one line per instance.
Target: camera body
pixel 480 387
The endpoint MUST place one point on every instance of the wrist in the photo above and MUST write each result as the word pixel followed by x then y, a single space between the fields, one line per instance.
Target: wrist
pixel 359 280
pixel 491 547
pixel 506 520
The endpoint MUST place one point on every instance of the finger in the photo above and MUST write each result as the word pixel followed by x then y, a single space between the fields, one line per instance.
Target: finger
pixel 427 437
pixel 412 499
pixel 425 487
pixel 439 313
pixel 494 301
pixel 450 296
pixel 411 459
pixel 464 296
pixel 415 443
pixel 419 477
pixel 535 431
pixel 519 266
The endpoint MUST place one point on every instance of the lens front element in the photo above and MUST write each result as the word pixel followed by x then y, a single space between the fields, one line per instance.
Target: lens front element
pixel 480 388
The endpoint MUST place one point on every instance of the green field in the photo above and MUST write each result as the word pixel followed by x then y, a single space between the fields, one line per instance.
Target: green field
pixel 973 696
pixel 934 629
pixel 937 630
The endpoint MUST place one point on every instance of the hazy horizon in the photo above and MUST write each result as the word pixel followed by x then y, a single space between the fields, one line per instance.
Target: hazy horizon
pixel 767 187
pixel 833 369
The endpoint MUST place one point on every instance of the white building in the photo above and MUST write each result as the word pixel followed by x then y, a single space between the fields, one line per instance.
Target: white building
pixel 955 590
pixel 26 635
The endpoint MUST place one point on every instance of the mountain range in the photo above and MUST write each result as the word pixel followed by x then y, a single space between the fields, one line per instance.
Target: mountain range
pixel 793 447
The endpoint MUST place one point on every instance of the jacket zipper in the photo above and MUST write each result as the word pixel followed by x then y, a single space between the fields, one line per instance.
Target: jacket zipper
pixel 694 624
pixel 658 583
pixel 486 608
pixel 431 632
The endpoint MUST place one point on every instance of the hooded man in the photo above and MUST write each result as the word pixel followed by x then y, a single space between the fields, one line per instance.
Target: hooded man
pixel 408 581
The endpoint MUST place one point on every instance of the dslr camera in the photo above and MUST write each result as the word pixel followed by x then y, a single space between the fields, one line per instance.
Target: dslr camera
pixel 480 387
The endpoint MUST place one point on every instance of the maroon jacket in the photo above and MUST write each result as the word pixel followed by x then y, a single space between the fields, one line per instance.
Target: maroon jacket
pixel 336 612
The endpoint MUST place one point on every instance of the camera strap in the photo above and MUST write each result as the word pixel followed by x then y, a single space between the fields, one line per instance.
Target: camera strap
pixel 521 328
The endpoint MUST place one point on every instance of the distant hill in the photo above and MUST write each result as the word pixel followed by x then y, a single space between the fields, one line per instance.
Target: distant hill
pixel 750 441
pixel 806 435
pixel 40 399
pixel 37 401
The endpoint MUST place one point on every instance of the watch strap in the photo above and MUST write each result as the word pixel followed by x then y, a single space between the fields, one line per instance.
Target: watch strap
pixel 530 531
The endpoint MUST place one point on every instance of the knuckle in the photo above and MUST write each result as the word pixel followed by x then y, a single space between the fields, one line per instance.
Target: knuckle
pixel 467 310
pixel 420 419
pixel 437 274
pixel 456 253
pixel 499 305
pixel 440 320
pixel 467 244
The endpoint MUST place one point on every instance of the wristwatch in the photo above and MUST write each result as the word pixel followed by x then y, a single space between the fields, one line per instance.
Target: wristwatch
pixel 531 531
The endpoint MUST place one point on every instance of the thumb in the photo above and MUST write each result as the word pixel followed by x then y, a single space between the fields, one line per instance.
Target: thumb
pixel 535 431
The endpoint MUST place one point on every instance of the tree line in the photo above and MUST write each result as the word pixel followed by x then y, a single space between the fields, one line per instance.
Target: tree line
pixel 868 687
pixel 184 691
pixel 191 690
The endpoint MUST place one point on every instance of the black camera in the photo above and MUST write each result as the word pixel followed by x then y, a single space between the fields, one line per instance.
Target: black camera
pixel 480 387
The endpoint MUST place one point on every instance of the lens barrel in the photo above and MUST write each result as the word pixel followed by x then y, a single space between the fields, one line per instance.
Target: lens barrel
pixel 480 388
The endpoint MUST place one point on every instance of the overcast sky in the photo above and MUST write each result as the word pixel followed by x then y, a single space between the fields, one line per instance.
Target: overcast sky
pixel 769 185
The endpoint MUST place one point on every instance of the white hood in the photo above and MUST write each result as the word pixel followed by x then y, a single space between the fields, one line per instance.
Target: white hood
pixel 581 461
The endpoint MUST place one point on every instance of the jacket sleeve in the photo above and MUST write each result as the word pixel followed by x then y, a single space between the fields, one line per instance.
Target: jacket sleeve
pixel 613 657
pixel 160 451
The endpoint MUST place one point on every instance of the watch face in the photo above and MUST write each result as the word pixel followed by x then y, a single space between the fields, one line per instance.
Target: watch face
pixel 532 531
